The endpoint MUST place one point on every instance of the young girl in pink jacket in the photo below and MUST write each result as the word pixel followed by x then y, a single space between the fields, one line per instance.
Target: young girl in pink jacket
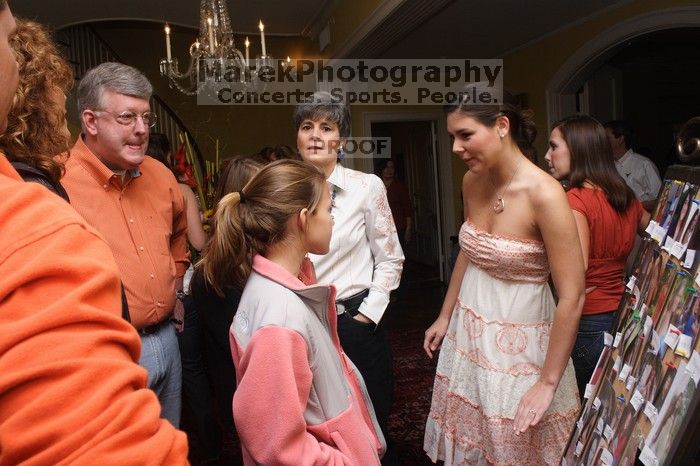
pixel 299 399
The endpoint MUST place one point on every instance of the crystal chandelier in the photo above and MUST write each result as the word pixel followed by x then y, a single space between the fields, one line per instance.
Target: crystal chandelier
pixel 214 53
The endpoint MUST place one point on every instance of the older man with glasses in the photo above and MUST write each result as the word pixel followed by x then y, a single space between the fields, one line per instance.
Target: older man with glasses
pixel 135 203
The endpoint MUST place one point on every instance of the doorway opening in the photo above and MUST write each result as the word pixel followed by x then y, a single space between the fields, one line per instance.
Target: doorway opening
pixel 652 84
pixel 643 70
pixel 413 153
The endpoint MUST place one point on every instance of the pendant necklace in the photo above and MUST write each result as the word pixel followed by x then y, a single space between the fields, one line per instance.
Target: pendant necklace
pixel 500 204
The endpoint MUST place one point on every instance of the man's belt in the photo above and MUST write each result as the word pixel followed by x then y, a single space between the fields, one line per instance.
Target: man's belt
pixel 151 329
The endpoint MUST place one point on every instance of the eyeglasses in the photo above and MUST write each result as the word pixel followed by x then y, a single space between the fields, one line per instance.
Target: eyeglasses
pixel 129 118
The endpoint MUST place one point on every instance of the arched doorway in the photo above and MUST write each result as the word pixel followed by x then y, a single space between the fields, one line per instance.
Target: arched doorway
pixel 563 86
pixel 643 70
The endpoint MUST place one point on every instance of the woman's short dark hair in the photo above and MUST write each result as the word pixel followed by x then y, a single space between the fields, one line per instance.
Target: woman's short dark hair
pixel 621 128
pixel 322 105
pixel 522 127
pixel 384 162
pixel 592 159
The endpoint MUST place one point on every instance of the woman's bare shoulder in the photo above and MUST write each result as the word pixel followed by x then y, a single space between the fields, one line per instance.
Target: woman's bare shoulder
pixel 542 187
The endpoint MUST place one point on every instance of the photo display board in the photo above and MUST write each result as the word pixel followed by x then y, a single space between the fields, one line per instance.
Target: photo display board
pixel 643 393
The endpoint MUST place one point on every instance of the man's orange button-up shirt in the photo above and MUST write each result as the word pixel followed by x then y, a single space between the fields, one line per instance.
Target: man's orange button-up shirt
pixel 144 222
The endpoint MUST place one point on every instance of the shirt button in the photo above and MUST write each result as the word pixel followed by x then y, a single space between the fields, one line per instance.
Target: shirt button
pixel 131 220
pixel 153 276
pixel 105 186
pixel 140 248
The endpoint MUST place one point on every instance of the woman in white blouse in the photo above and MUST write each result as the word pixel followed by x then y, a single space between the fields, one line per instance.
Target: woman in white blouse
pixel 365 259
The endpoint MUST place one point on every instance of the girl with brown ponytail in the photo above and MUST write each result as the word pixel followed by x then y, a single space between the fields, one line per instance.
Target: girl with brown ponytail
pixel 299 400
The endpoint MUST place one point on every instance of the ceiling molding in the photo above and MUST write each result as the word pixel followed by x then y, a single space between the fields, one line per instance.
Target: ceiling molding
pixel 180 25
pixel 283 18
pixel 320 19
pixel 371 22
pixel 412 14
pixel 584 19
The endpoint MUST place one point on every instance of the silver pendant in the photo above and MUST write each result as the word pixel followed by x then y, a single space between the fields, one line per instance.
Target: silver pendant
pixel 499 205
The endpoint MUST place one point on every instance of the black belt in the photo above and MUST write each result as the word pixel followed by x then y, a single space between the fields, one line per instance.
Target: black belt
pixel 351 304
pixel 151 329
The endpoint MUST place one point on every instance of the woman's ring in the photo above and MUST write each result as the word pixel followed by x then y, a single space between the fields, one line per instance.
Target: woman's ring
pixel 533 412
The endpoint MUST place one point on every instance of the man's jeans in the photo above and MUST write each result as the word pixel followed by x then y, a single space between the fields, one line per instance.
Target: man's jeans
pixel 160 356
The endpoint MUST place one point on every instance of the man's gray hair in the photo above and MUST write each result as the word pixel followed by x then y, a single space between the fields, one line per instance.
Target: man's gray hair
pixel 117 77
pixel 322 105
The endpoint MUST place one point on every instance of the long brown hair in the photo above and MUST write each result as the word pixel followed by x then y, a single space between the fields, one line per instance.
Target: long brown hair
pixel 249 221
pixel 34 132
pixel 592 159
pixel 235 174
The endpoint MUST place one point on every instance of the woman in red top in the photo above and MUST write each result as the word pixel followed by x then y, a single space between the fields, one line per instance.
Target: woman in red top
pixel 607 215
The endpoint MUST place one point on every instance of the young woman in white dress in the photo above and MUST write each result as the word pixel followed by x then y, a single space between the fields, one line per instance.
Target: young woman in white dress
pixel 505 391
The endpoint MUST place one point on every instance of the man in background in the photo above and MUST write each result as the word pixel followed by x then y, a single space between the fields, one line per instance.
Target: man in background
pixel 639 172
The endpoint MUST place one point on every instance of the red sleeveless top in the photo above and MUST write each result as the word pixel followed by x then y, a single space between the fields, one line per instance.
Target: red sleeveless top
pixel 612 236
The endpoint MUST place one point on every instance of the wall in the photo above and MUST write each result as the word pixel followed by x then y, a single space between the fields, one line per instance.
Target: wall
pixel 529 69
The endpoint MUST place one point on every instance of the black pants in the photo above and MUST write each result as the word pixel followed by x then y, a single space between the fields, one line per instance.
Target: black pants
pixel 197 396
pixel 368 348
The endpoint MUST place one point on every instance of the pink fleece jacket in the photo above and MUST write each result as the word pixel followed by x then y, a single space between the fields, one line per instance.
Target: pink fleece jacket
pixel 299 400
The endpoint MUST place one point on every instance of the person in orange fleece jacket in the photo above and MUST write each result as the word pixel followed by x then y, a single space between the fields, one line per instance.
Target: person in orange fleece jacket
pixel 71 390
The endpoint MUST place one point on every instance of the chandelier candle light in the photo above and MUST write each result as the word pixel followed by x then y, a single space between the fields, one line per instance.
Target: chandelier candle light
pixel 213 51
pixel 262 38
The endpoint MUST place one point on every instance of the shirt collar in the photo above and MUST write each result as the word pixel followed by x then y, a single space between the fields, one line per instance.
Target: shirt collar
pixel 306 281
pixel 94 165
pixel 338 177
pixel 626 156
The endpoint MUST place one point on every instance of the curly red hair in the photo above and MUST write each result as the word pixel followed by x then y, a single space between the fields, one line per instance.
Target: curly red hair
pixel 35 126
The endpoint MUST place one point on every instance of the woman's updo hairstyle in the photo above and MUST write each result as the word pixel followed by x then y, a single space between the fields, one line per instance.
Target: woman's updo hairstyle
pixel 250 220
pixel 522 126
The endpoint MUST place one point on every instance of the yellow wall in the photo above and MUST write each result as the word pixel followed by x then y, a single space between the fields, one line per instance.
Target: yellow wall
pixel 529 70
